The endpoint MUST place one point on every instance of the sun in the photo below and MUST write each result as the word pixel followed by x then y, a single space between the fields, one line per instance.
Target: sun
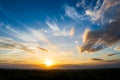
pixel 48 62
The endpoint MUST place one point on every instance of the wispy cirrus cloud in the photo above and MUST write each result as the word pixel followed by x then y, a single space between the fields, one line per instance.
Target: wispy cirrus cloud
pixel 9 44
pixel 72 13
pixel 56 31
pixel 99 11
pixel 35 41
pixel 40 37
pixel 53 26
pixel 20 35
pixel 82 4
pixel 29 35
pixel 26 41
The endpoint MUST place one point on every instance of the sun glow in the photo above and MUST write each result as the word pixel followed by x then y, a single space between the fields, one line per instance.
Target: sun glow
pixel 48 62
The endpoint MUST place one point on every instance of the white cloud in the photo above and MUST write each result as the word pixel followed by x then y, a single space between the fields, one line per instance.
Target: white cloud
pixel 97 14
pixel 89 12
pixel 53 26
pixel 83 4
pixel 72 32
pixel 98 3
pixel 72 13
pixel 111 20
pixel 21 35
pixel 56 31
pixel 28 36
pixel 76 41
pixel 41 37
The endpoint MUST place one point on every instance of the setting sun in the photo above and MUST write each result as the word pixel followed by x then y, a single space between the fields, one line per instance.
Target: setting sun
pixel 48 62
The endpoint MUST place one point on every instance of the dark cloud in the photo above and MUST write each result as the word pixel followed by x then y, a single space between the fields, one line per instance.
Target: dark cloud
pixel 111 54
pixel 99 39
pixel 113 61
pixel 107 35
pixel 45 50
pixel 9 44
pixel 96 59
pixel 10 61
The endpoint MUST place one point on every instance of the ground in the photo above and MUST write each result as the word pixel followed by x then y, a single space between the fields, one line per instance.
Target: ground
pixel 88 74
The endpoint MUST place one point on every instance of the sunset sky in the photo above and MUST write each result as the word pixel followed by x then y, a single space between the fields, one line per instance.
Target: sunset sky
pixel 69 33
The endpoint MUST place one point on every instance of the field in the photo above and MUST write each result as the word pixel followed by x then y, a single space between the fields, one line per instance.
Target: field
pixel 90 74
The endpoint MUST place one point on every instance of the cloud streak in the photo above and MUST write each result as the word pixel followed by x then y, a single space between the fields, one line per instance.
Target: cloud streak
pixel 9 44
pixel 57 32
pixel 45 50
pixel 111 54
pixel 53 26
pixel 72 13
pixel 97 59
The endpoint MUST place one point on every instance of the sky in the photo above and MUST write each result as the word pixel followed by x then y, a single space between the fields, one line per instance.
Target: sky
pixel 70 33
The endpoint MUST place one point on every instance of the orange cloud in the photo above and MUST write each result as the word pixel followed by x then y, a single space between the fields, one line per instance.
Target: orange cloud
pixel 72 32
pixel 85 35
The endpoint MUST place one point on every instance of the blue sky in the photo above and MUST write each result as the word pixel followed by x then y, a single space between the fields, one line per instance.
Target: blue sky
pixel 76 31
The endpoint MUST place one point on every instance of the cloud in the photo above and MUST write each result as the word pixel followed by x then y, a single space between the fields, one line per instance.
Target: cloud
pixel 117 48
pixel 106 36
pixel 99 39
pixel 98 4
pixel 78 4
pixel 79 49
pixel 96 59
pixel 102 38
pixel 10 61
pixel 40 37
pixel 85 35
pixel 111 54
pixel 113 61
pixel 9 44
pixel 95 15
pixel 55 30
pixel 99 11
pixel 45 50
pixel 53 26
pixel 82 4
pixel 72 32
pixel 33 40
pixel 72 13
pixel 24 36
pixel 23 39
